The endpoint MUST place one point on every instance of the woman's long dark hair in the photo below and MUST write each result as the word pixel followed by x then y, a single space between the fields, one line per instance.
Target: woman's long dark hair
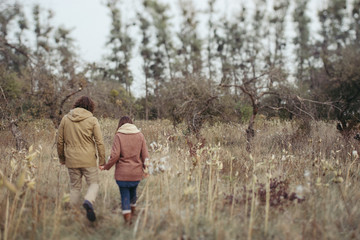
pixel 123 120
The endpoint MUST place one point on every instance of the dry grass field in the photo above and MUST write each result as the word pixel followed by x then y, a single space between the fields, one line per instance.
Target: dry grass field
pixel 300 182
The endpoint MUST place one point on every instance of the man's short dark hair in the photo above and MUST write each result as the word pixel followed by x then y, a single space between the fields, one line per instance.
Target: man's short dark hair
pixel 86 103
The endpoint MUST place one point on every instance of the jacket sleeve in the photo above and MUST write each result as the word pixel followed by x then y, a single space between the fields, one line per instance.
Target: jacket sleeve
pixel 99 143
pixel 115 153
pixel 60 142
pixel 144 152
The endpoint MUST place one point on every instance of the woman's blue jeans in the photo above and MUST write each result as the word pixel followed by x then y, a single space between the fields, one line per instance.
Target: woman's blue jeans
pixel 128 195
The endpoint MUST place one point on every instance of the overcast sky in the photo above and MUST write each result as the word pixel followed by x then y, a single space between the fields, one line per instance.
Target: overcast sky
pixel 90 23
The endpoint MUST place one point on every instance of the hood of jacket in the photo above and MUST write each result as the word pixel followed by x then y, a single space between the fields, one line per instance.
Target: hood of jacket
pixel 79 114
pixel 128 128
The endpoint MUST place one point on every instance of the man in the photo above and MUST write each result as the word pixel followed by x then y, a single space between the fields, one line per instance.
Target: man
pixel 78 138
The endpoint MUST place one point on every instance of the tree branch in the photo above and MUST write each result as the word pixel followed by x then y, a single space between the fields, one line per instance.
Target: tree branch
pixel 331 104
pixel 66 98
pixel 301 110
pixel 2 91
pixel 254 78
pixel 22 52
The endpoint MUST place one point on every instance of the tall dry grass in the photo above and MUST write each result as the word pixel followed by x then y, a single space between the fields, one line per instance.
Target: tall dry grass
pixel 300 182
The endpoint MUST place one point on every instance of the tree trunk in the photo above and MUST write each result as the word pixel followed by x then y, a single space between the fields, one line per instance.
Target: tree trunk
pixel 250 132
pixel 146 99
pixel 21 143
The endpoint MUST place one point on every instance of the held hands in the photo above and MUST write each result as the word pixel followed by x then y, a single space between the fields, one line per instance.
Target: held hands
pixel 102 167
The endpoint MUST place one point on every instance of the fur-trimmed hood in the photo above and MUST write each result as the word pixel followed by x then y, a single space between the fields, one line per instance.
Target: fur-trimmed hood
pixel 128 128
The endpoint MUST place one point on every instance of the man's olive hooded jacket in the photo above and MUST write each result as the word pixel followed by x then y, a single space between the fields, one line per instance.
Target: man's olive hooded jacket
pixel 78 137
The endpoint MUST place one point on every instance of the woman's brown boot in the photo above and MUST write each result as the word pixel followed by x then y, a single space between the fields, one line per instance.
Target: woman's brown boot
pixel 127 218
pixel 133 210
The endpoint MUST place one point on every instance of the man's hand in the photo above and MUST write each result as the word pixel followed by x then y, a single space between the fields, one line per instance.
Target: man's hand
pixel 102 167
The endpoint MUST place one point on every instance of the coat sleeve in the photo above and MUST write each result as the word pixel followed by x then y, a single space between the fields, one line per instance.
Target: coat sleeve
pixel 99 142
pixel 60 142
pixel 144 152
pixel 115 153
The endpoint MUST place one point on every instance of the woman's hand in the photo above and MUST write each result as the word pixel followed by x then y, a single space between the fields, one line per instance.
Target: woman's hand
pixel 102 167
pixel 145 175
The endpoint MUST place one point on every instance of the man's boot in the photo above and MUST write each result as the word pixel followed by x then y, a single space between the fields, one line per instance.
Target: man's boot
pixel 90 214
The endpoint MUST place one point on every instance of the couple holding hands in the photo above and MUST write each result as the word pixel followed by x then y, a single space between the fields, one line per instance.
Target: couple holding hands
pixel 79 137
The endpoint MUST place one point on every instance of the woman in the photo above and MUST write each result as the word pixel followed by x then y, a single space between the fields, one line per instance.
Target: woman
pixel 128 152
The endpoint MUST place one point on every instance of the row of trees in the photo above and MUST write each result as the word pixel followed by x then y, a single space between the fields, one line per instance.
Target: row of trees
pixel 236 68
pixel 242 62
